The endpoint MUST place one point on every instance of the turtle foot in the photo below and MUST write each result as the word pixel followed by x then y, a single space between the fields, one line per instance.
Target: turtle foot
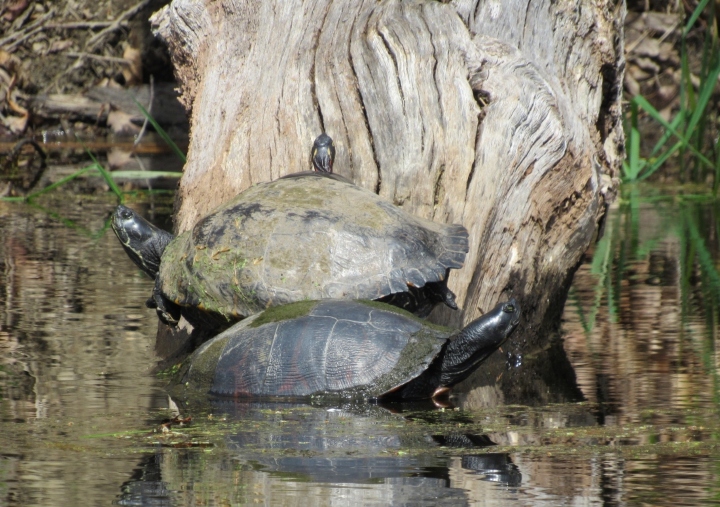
pixel 449 299
pixel 441 294
pixel 167 311
pixel 167 319
pixel 163 313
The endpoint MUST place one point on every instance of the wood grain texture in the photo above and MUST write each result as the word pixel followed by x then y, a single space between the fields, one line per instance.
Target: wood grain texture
pixel 500 115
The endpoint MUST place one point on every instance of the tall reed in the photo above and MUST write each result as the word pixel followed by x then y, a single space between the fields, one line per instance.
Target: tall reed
pixel 691 136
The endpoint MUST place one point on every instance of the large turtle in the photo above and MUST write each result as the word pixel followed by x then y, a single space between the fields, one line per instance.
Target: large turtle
pixel 310 235
pixel 352 349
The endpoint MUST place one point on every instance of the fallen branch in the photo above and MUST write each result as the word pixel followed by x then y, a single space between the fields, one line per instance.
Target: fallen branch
pixel 90 56
pixel 92 25
pixel 21 35
pixel 95 41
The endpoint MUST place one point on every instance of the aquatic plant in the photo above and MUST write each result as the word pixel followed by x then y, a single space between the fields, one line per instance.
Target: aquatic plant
pixel 161 132
pixel 663 240
pixel 691 135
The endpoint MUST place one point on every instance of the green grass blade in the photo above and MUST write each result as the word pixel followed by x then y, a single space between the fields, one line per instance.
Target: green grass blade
pixel 648 108
pixel 59 183
pixel 575 300
pixel 694 17
pixel 703 256
pixel 600 266
pixel 161 132
pixel 658 162
pixel 687 90
pixel 716 183
pixel 634 166
pixel 706 90
pixel 674 124
pixel 106 176
pixel 65 221
pixel 145 175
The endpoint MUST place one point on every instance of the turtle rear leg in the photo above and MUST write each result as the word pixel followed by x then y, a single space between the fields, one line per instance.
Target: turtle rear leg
pixel 167 311
pixel 421 301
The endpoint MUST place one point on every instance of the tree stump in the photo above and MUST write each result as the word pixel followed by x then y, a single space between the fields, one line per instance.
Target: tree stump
pixel 504 116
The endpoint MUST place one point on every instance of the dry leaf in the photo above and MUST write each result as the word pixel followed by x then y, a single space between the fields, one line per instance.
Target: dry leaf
pixel 117 158
pixel 8 61
pixel 120 123
pixel 16 124
pixel 13 10
pixel 132 72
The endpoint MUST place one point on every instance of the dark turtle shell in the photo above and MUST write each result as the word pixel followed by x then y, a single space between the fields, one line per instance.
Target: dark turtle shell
pixel 354 348
pixel 311 236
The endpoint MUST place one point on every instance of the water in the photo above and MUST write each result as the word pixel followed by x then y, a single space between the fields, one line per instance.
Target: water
pixel 82 409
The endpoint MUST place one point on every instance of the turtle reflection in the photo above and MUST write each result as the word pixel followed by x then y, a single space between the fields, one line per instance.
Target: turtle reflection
pixel 496 467
pixel 298 449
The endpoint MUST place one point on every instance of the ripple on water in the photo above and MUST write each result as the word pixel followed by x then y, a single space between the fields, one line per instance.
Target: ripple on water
pixel 81 411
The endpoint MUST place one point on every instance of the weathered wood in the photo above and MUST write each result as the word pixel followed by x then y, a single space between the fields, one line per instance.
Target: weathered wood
pixel 502 116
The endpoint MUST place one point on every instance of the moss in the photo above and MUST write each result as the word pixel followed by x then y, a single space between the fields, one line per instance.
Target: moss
pixel 390 308
pixel 170 371
pixel 204 361
pixel 199 282
pixel 314 194
pixel 414 359
pixel 302 196
pixel 284 312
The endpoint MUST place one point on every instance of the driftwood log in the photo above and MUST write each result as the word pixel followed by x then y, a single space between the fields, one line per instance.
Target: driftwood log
pixel 500 115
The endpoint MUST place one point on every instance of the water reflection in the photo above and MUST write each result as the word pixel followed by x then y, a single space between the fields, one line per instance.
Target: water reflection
pixel 496 467
pixel 80 406
pixel 279 453
pixel 146 487
pixel 75 354
pixel 641 322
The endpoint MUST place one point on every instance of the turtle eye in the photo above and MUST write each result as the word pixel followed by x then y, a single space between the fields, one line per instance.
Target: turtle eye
pixel 509 308
pixel 126 214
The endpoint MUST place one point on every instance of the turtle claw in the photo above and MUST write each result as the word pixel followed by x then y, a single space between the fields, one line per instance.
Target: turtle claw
pixel 441 294
pixel 167 311
pixel 166 318
pixel 449 299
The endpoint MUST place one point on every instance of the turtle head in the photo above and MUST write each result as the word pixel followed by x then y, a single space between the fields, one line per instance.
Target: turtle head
pixel 507 316
pixel 323 153
pixel 143 242
pixel 492 329
pixel 466 351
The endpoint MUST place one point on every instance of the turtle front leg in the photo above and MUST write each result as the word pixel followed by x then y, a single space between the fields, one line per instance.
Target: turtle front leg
pixel 440 293
pixel 167 311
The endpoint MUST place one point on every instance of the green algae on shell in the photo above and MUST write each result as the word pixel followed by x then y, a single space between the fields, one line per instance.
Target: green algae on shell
pixel 300 238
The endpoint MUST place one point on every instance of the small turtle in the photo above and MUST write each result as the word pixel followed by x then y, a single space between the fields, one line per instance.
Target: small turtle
pixel 354 349
pixel 305 237
pixel 323 153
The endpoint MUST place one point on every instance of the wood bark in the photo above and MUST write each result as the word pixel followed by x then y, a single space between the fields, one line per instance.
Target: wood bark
pixel 500 115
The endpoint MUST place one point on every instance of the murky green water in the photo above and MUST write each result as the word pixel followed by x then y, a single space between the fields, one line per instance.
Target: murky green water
pixel 81 409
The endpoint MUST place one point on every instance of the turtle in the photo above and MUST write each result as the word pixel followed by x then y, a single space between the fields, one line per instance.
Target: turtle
pixel 309 236
pixel 323 153
pixel 348 349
